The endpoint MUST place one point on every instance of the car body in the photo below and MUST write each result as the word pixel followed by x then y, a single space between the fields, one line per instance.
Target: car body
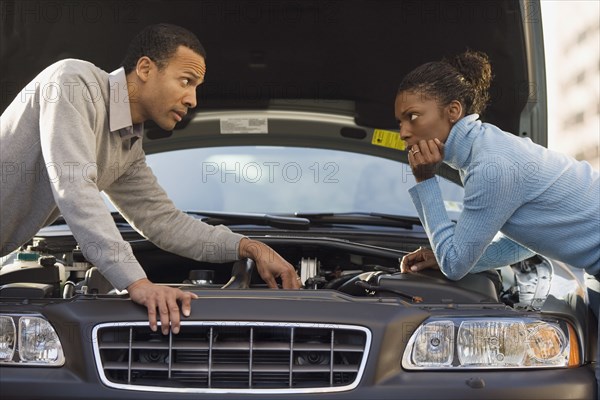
pixel 294 144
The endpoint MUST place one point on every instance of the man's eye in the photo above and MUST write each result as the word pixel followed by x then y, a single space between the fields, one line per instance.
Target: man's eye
pixel 185 81
pixel 413 117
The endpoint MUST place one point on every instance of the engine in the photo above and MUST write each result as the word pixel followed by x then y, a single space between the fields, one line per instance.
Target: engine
pixel 48 270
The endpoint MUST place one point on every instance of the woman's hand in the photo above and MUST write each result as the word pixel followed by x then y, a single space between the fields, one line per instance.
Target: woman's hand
pixel 425 158
pixel 419 260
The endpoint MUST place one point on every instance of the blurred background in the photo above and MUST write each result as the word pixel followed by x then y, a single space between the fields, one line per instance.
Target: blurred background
pixel 572 46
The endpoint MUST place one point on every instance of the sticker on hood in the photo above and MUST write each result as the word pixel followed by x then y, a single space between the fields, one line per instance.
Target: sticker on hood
pixel 390 139
pixel 244 125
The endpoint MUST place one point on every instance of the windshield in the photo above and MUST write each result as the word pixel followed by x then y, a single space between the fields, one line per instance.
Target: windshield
pixel 270 179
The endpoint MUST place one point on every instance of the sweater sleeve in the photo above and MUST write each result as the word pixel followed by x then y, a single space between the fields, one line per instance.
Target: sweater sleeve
pixel 502 251
pixel 490 199
pixel 143 202
pixel 67 116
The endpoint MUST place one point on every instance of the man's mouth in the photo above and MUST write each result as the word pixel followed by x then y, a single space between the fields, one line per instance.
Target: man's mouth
pixel 179 115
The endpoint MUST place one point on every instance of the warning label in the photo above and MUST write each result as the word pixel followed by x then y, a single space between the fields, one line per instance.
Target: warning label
pixel 389 139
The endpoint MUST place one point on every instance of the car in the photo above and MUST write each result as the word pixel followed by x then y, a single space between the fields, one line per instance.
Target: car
pixel 294 143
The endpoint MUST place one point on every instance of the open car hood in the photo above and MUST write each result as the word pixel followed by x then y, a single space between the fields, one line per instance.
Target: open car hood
pixel 342 57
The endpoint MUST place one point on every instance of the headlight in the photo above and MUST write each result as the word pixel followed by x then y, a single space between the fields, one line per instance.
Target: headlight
pixel 434 345
pixel 38 343
pixel 473 343
pixel 7 338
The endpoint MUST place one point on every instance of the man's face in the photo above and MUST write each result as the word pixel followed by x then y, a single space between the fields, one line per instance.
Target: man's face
pixel 420 118
pixel 171 91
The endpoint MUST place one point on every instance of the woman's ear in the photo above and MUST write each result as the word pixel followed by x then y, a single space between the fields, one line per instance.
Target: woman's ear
pixel 143 67
pixel 455 111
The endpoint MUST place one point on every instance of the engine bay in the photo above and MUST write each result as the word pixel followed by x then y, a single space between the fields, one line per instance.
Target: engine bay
pixel 48 268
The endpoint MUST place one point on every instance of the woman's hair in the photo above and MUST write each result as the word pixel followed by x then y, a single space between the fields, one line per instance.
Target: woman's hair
pixel 160 42
pixel 466 78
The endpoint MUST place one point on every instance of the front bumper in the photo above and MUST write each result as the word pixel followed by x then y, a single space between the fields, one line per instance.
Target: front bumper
pixel 27 383
pixel 390 324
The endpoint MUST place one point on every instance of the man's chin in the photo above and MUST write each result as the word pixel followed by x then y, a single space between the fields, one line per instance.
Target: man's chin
pixel 167 126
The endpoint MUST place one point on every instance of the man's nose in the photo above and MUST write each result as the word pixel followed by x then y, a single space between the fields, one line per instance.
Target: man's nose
pixel 190 98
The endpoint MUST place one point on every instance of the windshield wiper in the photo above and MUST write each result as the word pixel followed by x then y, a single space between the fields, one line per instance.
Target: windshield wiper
pixel 361 218
pixel 299 221
pixel 217 218
pixel 276 221
pixel 118 218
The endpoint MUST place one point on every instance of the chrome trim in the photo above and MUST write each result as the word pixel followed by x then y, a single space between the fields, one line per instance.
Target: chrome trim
pixel 292 325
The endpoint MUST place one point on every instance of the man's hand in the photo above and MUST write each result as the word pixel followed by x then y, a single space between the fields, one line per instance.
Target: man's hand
pixel 164 299
pixel 270 264
pixel 419 260
pixel 425 158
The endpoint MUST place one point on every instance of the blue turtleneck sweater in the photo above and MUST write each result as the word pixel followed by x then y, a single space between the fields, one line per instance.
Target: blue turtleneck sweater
pixel 520 199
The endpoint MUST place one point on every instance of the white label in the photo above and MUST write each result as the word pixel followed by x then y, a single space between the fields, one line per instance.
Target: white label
pixel 453 206
pixel 244 125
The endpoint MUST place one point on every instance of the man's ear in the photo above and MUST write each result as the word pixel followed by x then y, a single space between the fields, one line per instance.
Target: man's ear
pixel 455 111
pixel 143 68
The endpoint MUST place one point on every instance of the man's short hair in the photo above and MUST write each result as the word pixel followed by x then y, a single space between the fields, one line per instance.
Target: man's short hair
pixel 159 43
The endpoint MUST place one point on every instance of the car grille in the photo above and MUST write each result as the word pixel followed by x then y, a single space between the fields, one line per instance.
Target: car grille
pixel 232 357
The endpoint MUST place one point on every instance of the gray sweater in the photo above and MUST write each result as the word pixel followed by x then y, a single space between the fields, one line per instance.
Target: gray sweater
pixel 57 153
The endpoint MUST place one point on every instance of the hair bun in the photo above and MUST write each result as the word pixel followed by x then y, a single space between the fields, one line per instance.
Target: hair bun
pixel 475 67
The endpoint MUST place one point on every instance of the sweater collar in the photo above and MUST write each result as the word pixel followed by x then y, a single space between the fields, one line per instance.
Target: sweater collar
pixel 457 149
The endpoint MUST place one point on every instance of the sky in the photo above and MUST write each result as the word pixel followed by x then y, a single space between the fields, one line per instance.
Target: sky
pixel 559 18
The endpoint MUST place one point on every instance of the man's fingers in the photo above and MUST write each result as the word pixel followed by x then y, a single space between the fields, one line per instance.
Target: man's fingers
pixel 270 281
pixel 287 282
pixel 173 315
pixel 162 304
pixel 151 306
pixel 163 309
pixel 290 280
pixel 274 266
pixel 186 303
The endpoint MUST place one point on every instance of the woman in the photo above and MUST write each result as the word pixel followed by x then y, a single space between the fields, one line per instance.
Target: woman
pixel 520 198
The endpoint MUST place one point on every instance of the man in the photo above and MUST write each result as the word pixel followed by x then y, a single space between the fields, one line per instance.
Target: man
pixel 75 131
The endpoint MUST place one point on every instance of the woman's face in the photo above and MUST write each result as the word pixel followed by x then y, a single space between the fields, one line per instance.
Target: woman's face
pixel 421 117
